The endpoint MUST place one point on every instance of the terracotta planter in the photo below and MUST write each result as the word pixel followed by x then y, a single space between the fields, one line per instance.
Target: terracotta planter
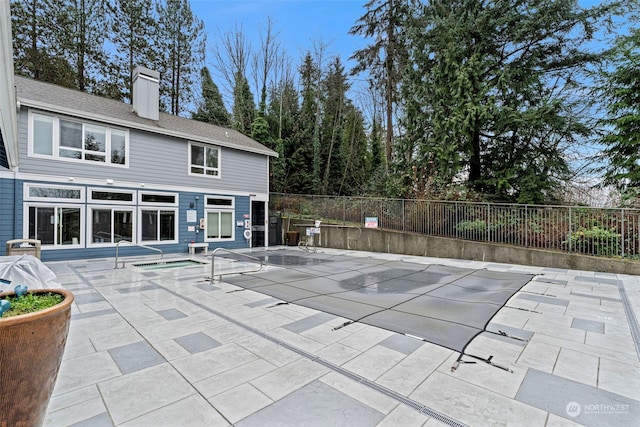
pixel 31 348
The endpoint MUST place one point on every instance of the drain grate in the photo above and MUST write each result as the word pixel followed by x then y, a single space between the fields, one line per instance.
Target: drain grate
pixel 632 320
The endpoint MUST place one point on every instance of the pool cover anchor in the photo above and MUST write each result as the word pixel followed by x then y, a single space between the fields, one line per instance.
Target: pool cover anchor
pixel 278 303
pixel 522 309
pixel 482 359
pixel 506 335
pixel 343 325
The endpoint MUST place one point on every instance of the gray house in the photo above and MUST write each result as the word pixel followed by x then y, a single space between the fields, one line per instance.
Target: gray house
pixel 89 172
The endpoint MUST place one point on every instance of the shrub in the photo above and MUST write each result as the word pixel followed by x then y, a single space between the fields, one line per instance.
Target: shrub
pixel 595 241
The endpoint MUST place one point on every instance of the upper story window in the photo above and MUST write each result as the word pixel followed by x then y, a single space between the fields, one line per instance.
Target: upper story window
pixel 65 139
pixel 204 160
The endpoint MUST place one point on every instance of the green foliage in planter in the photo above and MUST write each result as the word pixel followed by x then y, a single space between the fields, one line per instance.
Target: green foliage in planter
pixel 595 241
pixel 31 303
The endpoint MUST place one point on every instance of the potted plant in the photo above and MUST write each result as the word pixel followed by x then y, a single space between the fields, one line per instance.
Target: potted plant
pixel 31 347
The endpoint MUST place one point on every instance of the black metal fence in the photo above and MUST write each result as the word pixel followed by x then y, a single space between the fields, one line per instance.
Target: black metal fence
pixel 608 232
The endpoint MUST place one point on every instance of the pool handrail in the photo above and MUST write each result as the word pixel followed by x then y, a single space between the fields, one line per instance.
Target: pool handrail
pixel 136 244
pixel 213 263
pixel 305 245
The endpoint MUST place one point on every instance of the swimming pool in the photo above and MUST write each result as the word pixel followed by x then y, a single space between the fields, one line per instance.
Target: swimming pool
pixel 164 265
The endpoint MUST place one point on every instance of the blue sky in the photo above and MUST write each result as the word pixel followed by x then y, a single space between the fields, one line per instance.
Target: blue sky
pixel 298 22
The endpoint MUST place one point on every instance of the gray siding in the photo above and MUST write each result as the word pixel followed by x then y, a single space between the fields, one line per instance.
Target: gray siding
pixel 156 160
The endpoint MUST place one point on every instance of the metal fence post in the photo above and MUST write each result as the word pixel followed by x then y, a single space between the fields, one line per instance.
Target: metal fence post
pixel 488 233
pixel 622 233
pixel 344 210
pixel 570 231
pixel 403 216
pixel 526 227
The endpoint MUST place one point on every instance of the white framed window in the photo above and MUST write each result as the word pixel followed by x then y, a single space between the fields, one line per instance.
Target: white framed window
pixel 220 202
pixel 204 160
pixel 219 218
pixel 109 225
pixel 108 196
pixel 55 225
pixel 158 225
pixel 155 198
pixel 219 226
pixel 53 193
pixel 73 140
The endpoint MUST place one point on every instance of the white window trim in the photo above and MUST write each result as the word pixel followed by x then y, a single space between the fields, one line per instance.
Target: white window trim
pixel 27 197
pixel 56 141
pixel 219 168
pixel 81 237
pixel 228 207
pixel 157 208
pixel 89 228
pixel 110 202
pixel 176 197
pixel 233 228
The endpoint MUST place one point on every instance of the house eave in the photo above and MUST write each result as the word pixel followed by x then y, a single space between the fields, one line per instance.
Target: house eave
pixel 45 106
pixel 8 113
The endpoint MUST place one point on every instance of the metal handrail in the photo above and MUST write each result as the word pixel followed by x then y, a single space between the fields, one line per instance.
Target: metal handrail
pixel 213 263
pixel 305 246
pixel 136 244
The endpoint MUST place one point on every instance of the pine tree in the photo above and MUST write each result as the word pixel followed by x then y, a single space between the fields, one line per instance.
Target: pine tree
pixel 132 32
pixel 281 115
pixel 180 53
pixel 620 88
pixel 383 60
pixel 37 36
pixel 488 95
pixel 302 177
pixel 211 108
pixel 335 87
pixel 353 154
pixel 244 109
pixel 84 25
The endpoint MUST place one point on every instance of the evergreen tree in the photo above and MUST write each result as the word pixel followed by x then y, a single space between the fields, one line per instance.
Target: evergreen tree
pixel 84 24
pixel 355 173
pixel 488 95
pixel 281 115
pixel 211 108
pixel 37 41
pixel 132 32
pixel 376 172
pixel 180 49
pixel 244 109
pixel 335 87
pixel 301 178
pixel 260 130
pixel 620 88
pixel 383 60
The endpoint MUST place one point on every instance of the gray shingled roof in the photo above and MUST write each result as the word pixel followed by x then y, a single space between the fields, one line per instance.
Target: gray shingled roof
pixel 58 99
